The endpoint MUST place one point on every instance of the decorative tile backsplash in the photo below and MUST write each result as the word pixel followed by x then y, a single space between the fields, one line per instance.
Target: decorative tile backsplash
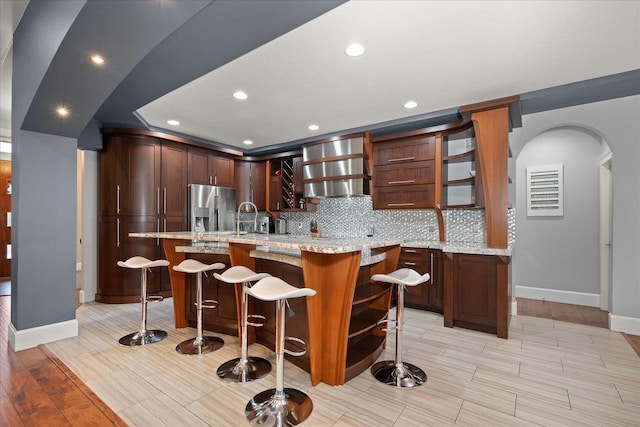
pixel 355 217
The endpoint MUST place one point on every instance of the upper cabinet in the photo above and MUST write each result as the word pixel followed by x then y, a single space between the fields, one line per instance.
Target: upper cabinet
pixel 404 171
pixel 208 168
pixel 250 184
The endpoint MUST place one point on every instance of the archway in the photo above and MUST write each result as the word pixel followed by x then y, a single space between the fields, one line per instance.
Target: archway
pixel 558 257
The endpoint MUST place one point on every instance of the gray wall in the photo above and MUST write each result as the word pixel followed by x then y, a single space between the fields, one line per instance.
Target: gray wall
pixel 44 180
pixel 560 253
pixel 617 122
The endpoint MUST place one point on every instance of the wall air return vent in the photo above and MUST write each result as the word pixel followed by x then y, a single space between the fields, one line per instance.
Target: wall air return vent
pixel 544 190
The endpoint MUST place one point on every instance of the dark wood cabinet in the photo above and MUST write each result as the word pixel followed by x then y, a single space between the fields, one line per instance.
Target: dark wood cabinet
pixel 477 292
pixel 298 184
pixel 427 296
pixel 404 172
pixel 207 168
pixel 275 193
pixel 142 188
pixel 250 184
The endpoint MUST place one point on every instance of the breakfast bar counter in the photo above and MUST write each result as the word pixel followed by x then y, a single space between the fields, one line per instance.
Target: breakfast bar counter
pixel 342 339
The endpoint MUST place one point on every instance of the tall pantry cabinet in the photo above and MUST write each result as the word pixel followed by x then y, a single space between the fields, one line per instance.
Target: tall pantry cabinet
pixel 142 184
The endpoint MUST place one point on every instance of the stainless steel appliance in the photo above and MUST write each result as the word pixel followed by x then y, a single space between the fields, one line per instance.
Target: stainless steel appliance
pixel 210 208
pixel 281 226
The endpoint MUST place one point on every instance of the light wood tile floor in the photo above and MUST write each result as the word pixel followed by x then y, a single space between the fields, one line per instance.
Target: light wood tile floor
pixel 547 373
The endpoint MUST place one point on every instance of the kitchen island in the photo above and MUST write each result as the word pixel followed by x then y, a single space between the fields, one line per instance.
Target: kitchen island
pixel 341 336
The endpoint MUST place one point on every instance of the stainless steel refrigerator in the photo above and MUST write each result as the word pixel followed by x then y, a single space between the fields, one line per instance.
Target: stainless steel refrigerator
pixel 210 208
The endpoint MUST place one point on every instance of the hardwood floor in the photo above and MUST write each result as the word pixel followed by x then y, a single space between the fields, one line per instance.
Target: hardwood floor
pixel 37 389
pixel 549 372
pixel 571 313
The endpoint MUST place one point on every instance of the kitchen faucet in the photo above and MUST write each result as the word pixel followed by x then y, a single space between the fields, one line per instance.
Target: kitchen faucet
pixel 255 218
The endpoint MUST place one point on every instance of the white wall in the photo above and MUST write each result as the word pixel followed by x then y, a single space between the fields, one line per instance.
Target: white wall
pixel 560 253
pixel 617 121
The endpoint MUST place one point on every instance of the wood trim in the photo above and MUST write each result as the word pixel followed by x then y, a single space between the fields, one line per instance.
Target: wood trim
pixel 490 105
pixel 492 140
pixel 329 312
pixel 462 121
pixel 169 137
pixel 178 286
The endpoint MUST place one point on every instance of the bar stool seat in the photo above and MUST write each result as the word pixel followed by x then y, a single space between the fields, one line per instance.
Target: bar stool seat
pixel 244 368
pixel 279 406
pixel 200 344
pixel 144 336
pixel 396 372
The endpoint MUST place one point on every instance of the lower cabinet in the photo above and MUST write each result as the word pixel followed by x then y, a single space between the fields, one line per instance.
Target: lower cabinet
pixel 477 292
pixel 426 296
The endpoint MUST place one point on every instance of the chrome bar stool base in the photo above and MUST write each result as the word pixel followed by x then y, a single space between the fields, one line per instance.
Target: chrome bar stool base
pixel 244 368
pixel 397 373
pixel 267 409
pixel 407 376
pixel 206 345
pixel 200 344
pixel 143 338
pixel 237 372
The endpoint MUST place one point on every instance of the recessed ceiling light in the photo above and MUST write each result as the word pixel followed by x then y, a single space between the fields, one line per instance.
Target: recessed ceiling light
pixel 410 104
pixel 173 122
pixel 354 49
pixel 314 127
pixel 97 59
pixel 62 111
pixel 247 142
pixel 240 95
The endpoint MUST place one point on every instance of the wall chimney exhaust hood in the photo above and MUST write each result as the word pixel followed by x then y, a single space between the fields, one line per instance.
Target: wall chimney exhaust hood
pixel 337 167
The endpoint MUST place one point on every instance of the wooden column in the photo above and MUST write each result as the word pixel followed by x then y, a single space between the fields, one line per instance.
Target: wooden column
pixel 177 280
pixel 492 129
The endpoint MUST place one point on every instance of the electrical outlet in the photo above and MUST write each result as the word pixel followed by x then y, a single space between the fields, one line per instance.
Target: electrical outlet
pixel 299 225
pixel 476 227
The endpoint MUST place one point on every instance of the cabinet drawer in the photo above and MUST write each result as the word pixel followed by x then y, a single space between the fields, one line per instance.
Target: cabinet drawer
pixel 407 197
pixel 414 254
pixel 403 150
pixel 419 266
pixel 406 174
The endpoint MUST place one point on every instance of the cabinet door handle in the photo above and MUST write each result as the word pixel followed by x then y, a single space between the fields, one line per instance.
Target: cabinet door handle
pixel 118 199
pixel 401 159
pixel 158 200
pixel 409 263
pixel 210 180
pixel 401 204
pixel 165 224
pixel 215 180
pixel 431 270
pixel 118 232
pixel 158 230
pixel 407 181
pixel 410 251
pixel 164 200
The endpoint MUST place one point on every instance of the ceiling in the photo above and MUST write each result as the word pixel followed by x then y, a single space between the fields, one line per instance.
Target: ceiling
pixel 288 56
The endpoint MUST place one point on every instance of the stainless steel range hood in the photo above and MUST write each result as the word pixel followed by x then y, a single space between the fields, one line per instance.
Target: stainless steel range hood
pixel 336 167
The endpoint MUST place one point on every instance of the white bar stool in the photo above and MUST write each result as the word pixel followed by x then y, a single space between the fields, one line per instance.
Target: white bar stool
pixel 396 372
pixel 279 406
pixel 200 344
pixel 244 368
pixel 143 336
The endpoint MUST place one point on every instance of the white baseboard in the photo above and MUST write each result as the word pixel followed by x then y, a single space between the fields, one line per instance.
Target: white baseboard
pixel 628 325
pixel 29 338
pixel 81 297
pixel 514 308
pixel 566 297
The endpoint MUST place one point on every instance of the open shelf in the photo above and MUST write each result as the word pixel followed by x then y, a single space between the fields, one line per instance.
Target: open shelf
pixel 362 353
pixel 461 157
pixel 365 321
pixel 464 181
pixel 365 293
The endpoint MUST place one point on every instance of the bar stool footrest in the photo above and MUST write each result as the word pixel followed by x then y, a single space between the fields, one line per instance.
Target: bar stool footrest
pixel 251 322
pixel 156 298
pixel 383 325
pixel 209 303
pixel 302 344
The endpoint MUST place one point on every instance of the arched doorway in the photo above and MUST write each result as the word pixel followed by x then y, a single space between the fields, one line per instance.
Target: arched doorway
pixel 558 258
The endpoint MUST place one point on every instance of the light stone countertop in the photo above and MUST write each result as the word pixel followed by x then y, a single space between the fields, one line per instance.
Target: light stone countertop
pixel 204 243
pixel 323 245
pixel 459 247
